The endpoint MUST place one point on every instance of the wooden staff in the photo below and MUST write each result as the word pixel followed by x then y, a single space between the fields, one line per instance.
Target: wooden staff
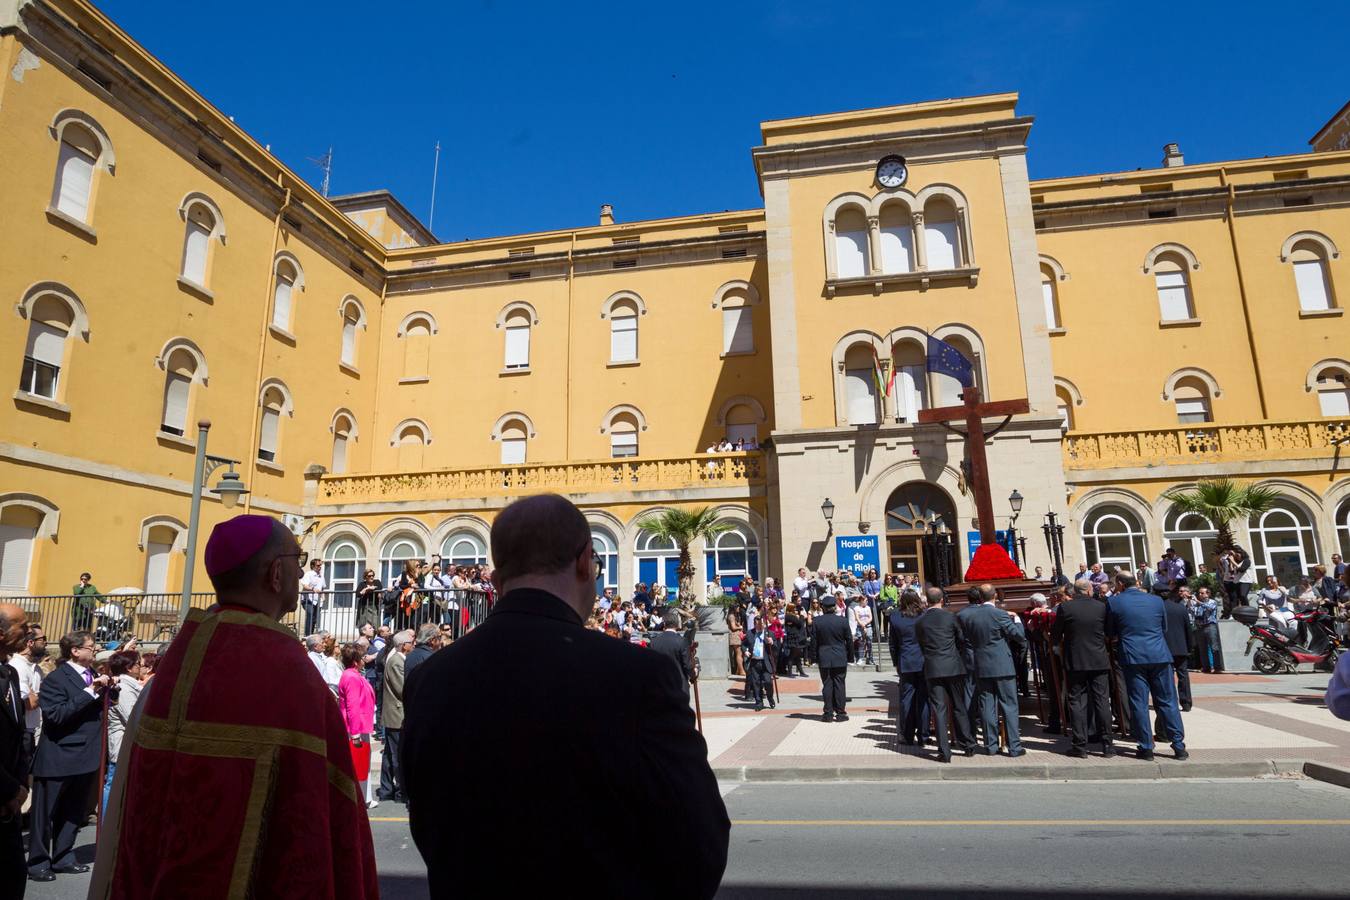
pixel 693 667
pixel 1037 656
pixel 1120 704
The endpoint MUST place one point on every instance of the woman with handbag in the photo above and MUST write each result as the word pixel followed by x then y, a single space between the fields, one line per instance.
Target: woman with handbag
pixel 357 700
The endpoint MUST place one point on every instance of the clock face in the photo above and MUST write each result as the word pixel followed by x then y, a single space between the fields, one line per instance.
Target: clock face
pixel 891 172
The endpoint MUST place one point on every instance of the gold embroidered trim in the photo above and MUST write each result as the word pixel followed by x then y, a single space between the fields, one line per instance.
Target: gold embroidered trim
pixel 241 878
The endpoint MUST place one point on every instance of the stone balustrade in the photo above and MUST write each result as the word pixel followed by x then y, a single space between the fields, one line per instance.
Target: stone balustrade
pixel 1205 443
pixel 593 476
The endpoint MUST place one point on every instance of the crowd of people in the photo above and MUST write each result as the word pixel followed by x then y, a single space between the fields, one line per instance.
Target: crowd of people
pixel 425 591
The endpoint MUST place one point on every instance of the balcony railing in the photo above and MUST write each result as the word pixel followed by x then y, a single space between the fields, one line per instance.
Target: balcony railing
pixel 595 476
pixel 1205 443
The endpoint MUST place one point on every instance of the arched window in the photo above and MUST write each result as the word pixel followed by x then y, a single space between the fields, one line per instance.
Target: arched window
pixel 1193 537
pixel 344 430
pixel 416 333
pixel 50 322
pixel 159 544
pixel 517 339
pixel 738 330
pixel 72 193
pixel 1193 402
pixel 1343 528
pixel 1333 391
pixel 742 426
pixel 514 438
pixel 181 371
pixel 396 551
pixel 19 527
pixel 275 401
pixel 411 438
pixel 464 548
pixel 1050 298
pixel 202 224
pixel 353 320
pixel 911 379
pixel 1283 542
pixel 1064 403
pixel 948 388
pixel 623 435
pixel 658 562
pixel 607 551
pixel 1311 276
pixel 897 239
pixel 941 236
pixel 1170 277
pixel 731 556
pixel 1114 536
pixel 286 283
pixel 851 243
pixel 860 385
pixel 342 567
pixel 623 332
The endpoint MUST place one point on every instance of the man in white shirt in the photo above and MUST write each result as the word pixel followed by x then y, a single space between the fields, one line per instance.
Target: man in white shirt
pixel 313 586
pixel 329 670
pixel 802 583
pixel 30 683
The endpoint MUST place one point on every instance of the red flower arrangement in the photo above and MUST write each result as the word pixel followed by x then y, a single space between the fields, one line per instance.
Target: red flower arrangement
pixel 992 563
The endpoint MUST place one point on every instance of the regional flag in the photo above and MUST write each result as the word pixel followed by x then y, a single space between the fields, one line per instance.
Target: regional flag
pixel 945 359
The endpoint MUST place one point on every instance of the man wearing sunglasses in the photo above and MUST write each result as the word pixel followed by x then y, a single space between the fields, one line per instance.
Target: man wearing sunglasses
pixel 551 704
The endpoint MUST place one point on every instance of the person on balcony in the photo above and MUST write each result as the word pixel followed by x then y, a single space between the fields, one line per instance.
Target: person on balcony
pixel 86 598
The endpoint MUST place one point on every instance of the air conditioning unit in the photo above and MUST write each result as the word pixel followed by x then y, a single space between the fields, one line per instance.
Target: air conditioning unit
pixel 295 523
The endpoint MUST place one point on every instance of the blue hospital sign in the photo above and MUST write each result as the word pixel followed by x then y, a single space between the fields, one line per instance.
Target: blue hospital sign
pixel 858 553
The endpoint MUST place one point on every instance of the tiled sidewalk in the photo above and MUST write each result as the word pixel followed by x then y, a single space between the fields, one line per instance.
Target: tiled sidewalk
pixel 1241 724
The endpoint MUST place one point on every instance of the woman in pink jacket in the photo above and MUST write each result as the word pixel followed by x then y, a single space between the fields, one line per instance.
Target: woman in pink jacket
pixel 357 700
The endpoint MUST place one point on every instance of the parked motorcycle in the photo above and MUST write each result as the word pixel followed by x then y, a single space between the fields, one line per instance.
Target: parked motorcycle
pixel 1315 642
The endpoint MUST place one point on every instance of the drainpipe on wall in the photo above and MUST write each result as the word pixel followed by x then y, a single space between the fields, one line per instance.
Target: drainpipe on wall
pixel 1242 290
pixel 567 384
pixel 251 451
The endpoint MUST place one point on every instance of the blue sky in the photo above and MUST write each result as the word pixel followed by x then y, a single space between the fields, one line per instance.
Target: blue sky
pixel 545 111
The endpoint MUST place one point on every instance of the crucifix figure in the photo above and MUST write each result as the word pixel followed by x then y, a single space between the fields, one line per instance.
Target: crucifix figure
pixel 974 412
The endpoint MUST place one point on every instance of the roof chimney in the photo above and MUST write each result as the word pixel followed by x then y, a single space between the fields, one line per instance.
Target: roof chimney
pixel 1172 156
pixel 606 214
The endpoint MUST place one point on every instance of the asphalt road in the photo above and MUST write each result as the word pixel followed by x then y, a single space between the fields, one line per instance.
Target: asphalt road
pixel 999 840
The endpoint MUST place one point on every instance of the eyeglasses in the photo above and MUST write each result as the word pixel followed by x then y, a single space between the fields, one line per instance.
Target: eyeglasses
pixel 596 557
pixel 301 558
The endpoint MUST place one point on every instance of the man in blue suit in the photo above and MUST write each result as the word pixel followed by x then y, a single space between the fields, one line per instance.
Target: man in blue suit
pixel 994 638
pixel 907 657
pixel 1138 622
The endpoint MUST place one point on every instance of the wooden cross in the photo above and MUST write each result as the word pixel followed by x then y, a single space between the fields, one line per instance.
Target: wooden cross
pixel 973 412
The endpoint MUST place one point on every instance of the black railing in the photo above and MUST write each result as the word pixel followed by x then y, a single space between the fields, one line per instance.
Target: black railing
pixel 154 618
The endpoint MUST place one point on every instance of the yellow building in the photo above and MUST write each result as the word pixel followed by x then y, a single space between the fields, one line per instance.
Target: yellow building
pixel 389 394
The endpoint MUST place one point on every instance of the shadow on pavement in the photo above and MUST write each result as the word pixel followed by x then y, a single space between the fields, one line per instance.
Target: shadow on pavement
pixel 835 892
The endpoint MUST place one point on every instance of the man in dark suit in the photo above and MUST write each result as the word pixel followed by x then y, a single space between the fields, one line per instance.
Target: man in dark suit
pixel 994 639
pixel 832 644
pixel 671 643
pixel 67 759
pixel 943 647
pixel 538 705
pixel 1138 622
pixel 907 657
pixel 1079 627
pixel 1180 642
pixel 13 754
pixel 760 652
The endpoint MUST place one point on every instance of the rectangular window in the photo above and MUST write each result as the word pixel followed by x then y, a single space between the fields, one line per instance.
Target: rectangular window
pixel 737 334
pixel 623 444
pixel 1310 278
pixel 16 551
pixel 157 567
pixel 349 341
pixel 517 276
pixel 518 347
pixel 940 244
pixel 862 397
pixel 1173 302
pixel 267 444
pixel 912 384
pixel 194 253
pixel 1048 298
pixel 625 263
pixel 513 451
pixel 748 433
pixel 74 180
pixel 281 304
pixel 1335 402
pixel 1192 411
pixel 42 360
pixel 176 391
pixel 734 253
pixel 623 336
pixel 897 247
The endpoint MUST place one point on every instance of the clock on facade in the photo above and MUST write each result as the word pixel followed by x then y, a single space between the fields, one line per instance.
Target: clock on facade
pixel 891 171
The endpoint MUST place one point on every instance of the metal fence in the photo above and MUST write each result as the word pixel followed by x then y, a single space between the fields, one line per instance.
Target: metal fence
pixel 154 618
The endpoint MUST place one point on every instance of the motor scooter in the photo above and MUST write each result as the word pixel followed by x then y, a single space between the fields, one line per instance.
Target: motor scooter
pixel 1314 643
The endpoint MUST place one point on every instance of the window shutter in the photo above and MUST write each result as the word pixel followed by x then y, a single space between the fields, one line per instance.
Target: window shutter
pixel 348 341
pixel 862 398
pixel 157 567
pixel 517 346
pixel 1310 277
pixel 74 180
pixel 940 244
pixel 339 453
pixel 1173 304
pixel 176 390
pixel 194 252
pixel 1048 297
pixel 913 391
pixel 267 444
pixel 1192 410
pixel 46 344
pixel 897 246
pixel 850 253
pixel 418 352
pixel 16 552
pixel 623 339
pixel 623 444
pixel 513 451
pixel 748 433
pixel 1334 401
pixel 281 304
pixel 737 333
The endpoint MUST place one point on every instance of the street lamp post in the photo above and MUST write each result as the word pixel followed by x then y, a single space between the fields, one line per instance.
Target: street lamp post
pixel 230 489
pixel 1015 502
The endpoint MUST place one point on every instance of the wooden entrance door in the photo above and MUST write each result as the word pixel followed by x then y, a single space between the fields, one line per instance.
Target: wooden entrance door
pixel 906 555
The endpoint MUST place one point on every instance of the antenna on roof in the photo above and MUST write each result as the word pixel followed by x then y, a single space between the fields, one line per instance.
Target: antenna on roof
pixel 325 164
pixel 435 169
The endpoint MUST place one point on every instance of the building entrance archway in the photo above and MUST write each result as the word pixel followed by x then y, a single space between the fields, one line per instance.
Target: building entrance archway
pixel 912 511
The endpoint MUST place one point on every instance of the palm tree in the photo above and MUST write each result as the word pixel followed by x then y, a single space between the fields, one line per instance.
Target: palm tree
pixel 1223 501
pixel 683 527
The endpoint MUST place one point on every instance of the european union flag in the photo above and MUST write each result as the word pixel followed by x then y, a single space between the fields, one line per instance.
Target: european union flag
pixel 945 359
